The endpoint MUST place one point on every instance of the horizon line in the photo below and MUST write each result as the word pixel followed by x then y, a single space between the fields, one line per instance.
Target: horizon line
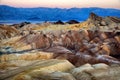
pixel 57 7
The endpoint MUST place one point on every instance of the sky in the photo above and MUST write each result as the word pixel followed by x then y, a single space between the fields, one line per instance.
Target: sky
pixel 62 3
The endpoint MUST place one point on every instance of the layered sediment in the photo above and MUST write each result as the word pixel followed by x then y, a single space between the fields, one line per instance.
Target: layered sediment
pixel 82 51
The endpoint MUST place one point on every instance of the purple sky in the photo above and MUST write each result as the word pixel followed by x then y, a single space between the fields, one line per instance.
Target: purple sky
pixel 63 3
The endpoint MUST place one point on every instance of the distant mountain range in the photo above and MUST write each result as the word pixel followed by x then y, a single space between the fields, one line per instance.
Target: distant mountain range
pixel 53 14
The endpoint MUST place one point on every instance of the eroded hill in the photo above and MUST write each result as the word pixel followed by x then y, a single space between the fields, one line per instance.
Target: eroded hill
pixel 50 51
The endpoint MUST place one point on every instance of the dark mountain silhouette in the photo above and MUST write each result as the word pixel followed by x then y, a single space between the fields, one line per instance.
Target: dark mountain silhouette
pixel 53 14
pixel 72 22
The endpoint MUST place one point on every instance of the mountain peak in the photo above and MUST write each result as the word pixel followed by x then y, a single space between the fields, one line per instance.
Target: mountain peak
pixel 94 17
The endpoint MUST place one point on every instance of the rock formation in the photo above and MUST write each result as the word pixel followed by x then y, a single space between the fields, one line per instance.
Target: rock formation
pixel 18 26
pixel 79 47
pixel 59 22
pixel 72 22
pixel 96 72
pixel 7 32
pixel 35 70
pixel 104 23
pixel 37 51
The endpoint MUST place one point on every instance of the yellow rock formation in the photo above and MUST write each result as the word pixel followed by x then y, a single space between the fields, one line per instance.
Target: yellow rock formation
pixel 38 68
pixel 26 56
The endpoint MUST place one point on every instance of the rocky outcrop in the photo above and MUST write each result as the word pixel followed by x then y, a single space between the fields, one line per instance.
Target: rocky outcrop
pixel 56 69
pixel 103 23
pixel 7 32
pixel 59 22
pixel 36 69
pixel 115 19
pixel 30 55
pixel 94 17
pixel 18 26
pixel 36 41
pixel 79 47
pixel 41 53
pixel 96 72
pixel 72 22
